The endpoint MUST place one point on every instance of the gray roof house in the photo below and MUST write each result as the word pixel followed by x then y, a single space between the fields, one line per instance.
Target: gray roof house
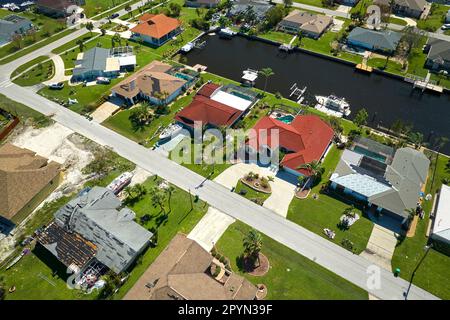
pixel 390 188
pixel 107 231
pixel 440 232
pixel 12 25
pixel 100 62
pixel 385 41
pixel 438 57
pixel 259 7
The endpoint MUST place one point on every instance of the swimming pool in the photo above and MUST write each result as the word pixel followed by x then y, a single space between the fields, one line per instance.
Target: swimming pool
pixel 240 95
pixel 370 154
pixel 183 76
pixel 286 119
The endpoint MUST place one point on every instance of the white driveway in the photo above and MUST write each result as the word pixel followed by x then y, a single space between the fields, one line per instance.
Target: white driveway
pixel 282 191
pixel 104 111
pixel 380 247
pixel 59 75
pixel 210 228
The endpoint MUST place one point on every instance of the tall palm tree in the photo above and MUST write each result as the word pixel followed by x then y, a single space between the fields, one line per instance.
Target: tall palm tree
pixel 416 138
pixel 266 72
pixel 170 190
pixel 253 244
pixel 314 168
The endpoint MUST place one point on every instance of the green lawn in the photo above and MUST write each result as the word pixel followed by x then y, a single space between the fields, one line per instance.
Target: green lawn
pixel 95 7
pixel 435 18
pixel 39 73
pixel 361 7
pixel 291 276
pixel 392 66
pixel 23 112
pixel 180 219
pixel 120 122
pixel 251 194
pixel 398 21
pixel 46 28
pixel 316 3
pixel 433 272
pixel 325 212
pixel 417 59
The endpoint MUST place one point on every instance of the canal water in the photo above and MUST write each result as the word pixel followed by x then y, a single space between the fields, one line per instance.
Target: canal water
pixel 386 99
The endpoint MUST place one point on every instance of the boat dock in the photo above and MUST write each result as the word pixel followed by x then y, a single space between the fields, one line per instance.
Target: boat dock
pixel 297 93
pixel 424 83
pixel 287 46
pixel 364 67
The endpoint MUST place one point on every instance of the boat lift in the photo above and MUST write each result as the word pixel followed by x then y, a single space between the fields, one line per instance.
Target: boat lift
pixel 297 93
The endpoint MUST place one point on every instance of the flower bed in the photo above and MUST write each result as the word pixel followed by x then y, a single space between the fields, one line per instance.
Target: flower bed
pixel 257 183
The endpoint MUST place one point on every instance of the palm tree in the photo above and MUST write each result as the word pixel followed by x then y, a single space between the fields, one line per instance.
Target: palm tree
pixel 80 44
pixel 253 244
pixel 314 168
pixel 416 138
pixel 90 27
pixel 158 198
pixel 266 72
pixel 170 190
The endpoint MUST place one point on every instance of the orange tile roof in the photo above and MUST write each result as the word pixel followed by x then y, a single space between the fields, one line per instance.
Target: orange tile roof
pixel 156 26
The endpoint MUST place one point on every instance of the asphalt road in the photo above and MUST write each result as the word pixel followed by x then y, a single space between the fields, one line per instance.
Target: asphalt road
pixel 327 254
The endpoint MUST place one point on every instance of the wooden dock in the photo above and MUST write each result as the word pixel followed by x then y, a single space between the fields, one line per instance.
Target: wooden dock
pixel 424 83
pixel 364 67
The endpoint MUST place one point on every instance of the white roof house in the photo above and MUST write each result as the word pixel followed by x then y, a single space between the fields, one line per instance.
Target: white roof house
pixel 231 100
pixel 441 227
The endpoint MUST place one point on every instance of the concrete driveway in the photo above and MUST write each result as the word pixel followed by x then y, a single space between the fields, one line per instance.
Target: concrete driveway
pixel 382 242
pixel 282 190
pixel 59 75
pixel 210 228
pixel 104 111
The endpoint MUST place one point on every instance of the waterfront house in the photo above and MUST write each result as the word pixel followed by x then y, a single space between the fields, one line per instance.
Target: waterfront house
pixel 438 57
pixel 150 83
pixel 440 231
pixel 59 8
pixel 101 62
pixel 417 9
pixel 385 41
pixel 258 7
pixel 309 24
pixel 306 139
pixel 216 106
pixel 202 3
pixel 387 186
pixel 13 25
pixel 156 29
pixel 26 179
pixel 104 230
pixel 186 271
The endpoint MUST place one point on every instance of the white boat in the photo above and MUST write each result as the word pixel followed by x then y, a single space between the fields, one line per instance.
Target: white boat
pixel 333 106
pixel 120 182
pixel 103 80
pixel 249 77
pixel 187 47
pixel 170 131
pixel 227 33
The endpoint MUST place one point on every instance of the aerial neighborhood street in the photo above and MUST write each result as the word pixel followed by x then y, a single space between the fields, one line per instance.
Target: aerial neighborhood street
pixel 258 150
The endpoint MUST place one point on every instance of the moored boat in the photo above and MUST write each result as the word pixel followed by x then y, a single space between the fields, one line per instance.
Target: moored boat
pixel 334 106
pixel 120 182
pixel 170 131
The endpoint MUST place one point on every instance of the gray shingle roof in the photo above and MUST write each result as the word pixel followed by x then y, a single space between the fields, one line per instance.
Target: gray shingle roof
pixel 378 39
pixel 13 24
pixel 259 7
pixel 439 49
pixel 93 60
pixel 96 215
pixel 417 5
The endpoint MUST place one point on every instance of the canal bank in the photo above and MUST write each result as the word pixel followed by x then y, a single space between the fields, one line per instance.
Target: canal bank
pixel 386 96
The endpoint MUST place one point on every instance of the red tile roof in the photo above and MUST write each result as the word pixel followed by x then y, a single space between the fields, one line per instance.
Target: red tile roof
pixel 208 89
pixel 208 112
pixel 307 137
pixel 156 26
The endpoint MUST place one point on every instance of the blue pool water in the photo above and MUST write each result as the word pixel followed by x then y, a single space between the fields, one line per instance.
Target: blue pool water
pixel 183 76
pixel 240 95
pixel 286 119
pixel 370 154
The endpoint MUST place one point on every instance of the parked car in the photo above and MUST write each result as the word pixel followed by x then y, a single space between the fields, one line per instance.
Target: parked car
pixel 446 26
pixel 113 16
pixel 103 80
pixel 57 86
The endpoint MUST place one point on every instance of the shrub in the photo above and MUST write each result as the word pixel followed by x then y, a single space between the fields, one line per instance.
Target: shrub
pixel 347 244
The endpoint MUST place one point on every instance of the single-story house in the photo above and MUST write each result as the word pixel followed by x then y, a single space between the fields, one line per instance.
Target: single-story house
pixel 13 25
pixel 104 229
pixel 350 3
pixel 306 139
pixel 383 41
pixel 184 271
pixel 202 3
pixel 309 24
pixel 447 17
pixel 438 57
pixel 258 7
pixel 410 8
pixel 149 83
pixel 215 106
pixel 156 29
pixel 101 62
pixel 440 232
pixel 385 187
pixel 26 179
pixel 59 8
